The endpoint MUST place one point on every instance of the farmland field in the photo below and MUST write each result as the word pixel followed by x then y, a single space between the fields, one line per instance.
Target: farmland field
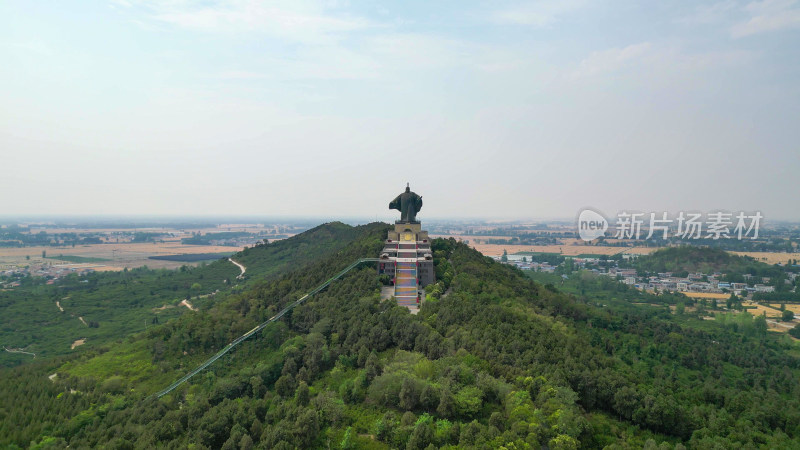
pixel 568 250
pixel 795 308
pixel 76 258
pixel 574 247
pixel 756 310
pixel 770 257
pixel 116 256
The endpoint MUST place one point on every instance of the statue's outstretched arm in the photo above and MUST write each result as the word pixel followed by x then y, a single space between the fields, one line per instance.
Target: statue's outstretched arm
pixel 395 204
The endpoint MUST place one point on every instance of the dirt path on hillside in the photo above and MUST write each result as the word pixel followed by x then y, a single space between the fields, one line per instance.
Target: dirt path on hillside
pixel 241 267
pixel 17 350
pixel 185 303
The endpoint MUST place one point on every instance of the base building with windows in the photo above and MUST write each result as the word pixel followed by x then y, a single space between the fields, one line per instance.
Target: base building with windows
pixel 406 256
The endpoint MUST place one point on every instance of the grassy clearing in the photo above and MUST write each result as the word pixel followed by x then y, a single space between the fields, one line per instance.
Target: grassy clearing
pixel 536 254
pixel 130 361
pixel 77 259
pixel 192 257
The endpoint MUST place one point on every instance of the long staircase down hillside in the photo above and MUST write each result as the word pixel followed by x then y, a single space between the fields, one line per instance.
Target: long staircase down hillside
pixel 405 284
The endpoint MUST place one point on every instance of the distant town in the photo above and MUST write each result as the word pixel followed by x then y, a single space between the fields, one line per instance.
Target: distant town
pixel 661 282
pixel 55 249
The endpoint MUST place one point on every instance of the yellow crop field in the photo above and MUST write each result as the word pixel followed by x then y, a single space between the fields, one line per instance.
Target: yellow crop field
pixel 770 257
pixel 106 250
pixel 567 250
pixel 572 247
pixel 757 310
pixel 118 256
pixel 793 308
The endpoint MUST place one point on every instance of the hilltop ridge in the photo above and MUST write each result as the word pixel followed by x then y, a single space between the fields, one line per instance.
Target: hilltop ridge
pixel 492 359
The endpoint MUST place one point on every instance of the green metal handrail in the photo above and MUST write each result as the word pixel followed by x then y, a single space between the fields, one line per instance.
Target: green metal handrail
pixel 258 328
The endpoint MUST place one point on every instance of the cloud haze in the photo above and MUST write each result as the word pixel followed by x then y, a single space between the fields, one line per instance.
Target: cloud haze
pixel 500 109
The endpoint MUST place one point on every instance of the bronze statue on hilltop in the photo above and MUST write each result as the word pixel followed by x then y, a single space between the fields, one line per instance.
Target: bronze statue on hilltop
pixel 408 203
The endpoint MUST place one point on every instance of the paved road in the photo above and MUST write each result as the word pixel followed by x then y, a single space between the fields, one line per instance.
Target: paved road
pixel 781 324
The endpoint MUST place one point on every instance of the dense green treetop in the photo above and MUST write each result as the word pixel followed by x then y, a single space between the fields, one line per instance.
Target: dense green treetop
pixel 493 360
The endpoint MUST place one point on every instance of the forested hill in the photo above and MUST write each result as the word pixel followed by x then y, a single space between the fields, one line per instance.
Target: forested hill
pixel 688 259
pixel 265 261
pixel 102 307
pixel 500 361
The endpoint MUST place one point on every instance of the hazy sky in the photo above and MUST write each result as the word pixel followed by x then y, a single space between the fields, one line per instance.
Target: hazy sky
pixel 493 109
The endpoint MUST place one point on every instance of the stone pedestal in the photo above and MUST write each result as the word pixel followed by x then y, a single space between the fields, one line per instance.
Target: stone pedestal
pixel 408 231
pixel 407 259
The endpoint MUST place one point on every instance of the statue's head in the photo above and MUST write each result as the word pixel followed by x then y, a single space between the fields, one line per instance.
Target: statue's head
pixel 408 188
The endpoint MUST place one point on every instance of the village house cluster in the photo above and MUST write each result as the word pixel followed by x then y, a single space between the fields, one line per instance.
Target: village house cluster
pixel 694 282
pixel 664 281
pixel 51 272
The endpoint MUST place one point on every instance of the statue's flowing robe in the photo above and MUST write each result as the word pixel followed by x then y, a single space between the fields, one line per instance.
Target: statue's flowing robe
pixel 409 204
